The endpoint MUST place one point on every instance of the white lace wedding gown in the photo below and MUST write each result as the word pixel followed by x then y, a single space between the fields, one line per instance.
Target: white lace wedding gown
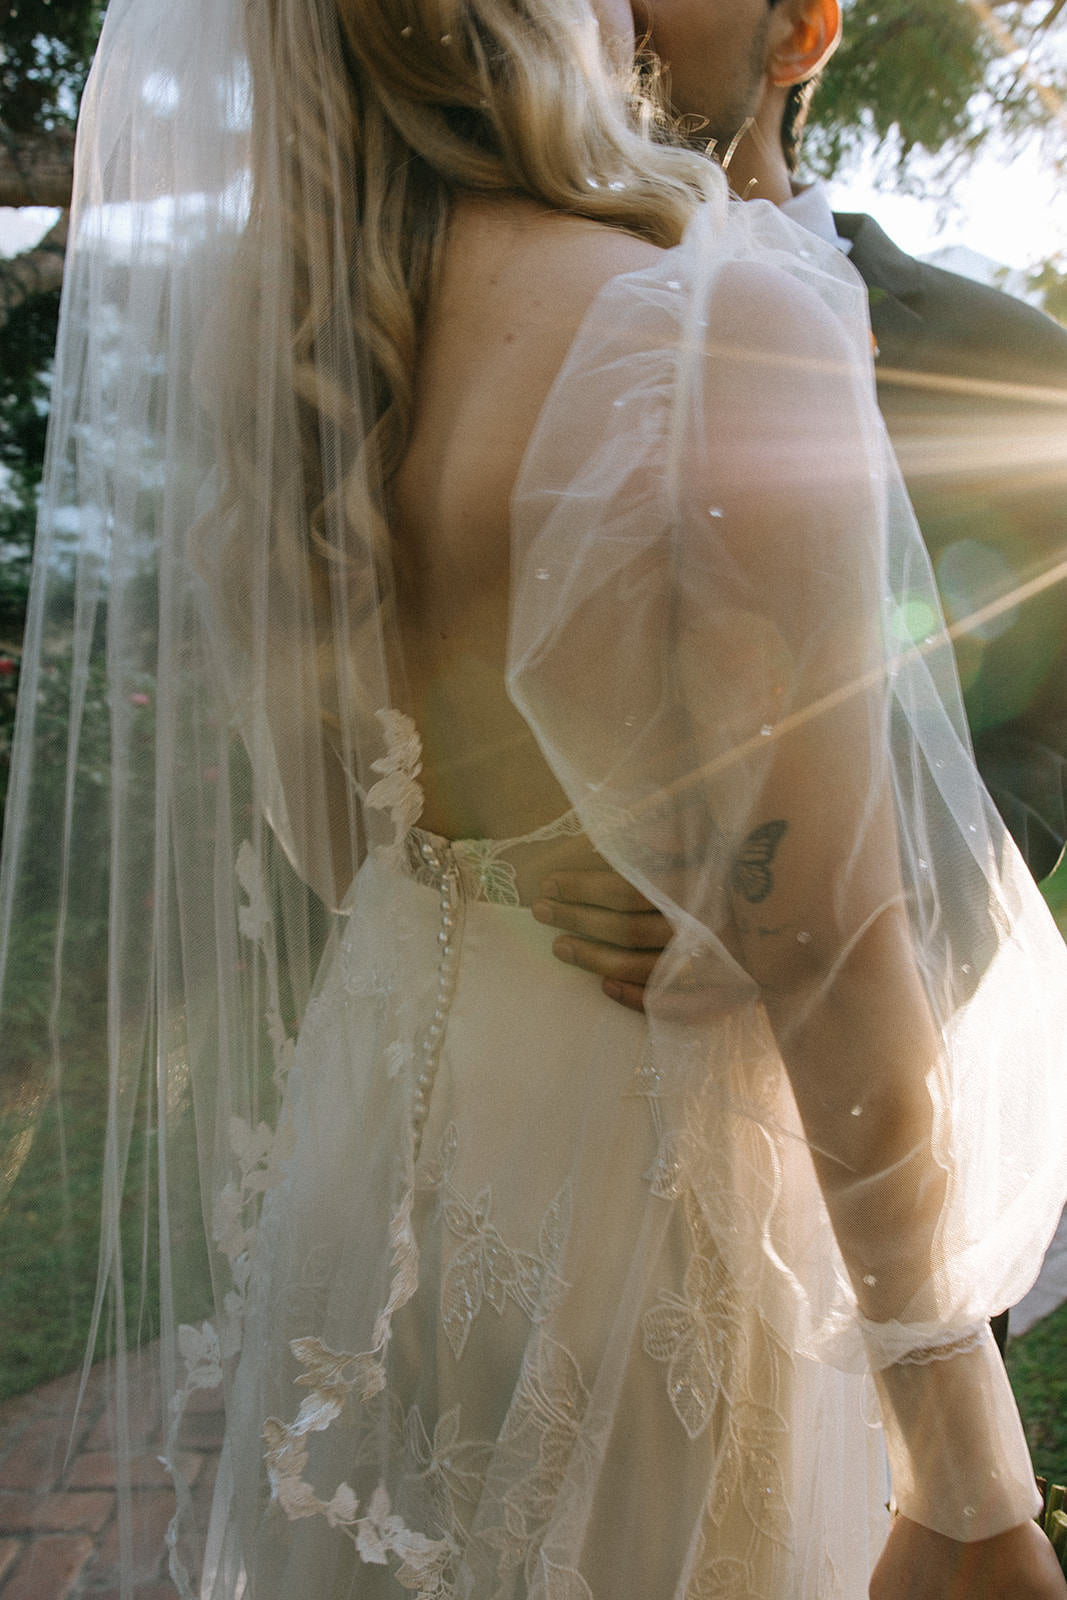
pixel 577 1398
pixel 543 1301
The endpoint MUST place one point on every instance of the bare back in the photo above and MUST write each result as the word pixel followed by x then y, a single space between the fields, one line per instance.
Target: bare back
pixel 517 282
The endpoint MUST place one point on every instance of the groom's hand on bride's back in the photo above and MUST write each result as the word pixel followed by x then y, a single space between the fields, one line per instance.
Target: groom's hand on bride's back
pixel 606 926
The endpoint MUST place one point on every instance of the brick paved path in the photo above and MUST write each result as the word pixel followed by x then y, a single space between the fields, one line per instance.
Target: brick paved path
pixel 58 1523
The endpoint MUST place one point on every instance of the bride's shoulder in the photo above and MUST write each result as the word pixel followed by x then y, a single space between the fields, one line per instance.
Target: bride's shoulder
pixel 518 252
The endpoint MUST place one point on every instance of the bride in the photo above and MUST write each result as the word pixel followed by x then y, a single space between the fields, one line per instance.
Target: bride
pixel 472 491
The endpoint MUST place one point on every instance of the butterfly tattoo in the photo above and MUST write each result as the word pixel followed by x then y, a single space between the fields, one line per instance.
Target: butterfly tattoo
pixel 751 876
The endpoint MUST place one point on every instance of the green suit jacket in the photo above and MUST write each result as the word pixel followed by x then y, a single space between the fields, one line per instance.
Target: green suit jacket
pixel 973 387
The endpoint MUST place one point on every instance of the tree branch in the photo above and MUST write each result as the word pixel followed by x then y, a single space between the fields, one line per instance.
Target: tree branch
pixel 35 271
pixel 36 169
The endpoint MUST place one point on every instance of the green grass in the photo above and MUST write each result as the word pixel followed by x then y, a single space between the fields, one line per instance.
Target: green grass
pixel 1037 1362
pixel 1054 890
pixel 1037 1366
pixel 49 1237
pixel 50 1218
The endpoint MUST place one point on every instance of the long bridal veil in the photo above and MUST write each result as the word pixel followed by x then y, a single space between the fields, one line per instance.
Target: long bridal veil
pixel 197 731
pixel 723 625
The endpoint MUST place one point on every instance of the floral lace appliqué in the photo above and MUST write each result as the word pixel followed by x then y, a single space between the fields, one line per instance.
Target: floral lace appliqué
pixel 543 1429
pixel 700 1336
pixel 723 1578
pixel 494 879
pixel 397 790
pixel 485 1269
pixel 259 1151
pixel 487 875
pixel 378 1534
pixel 454 1465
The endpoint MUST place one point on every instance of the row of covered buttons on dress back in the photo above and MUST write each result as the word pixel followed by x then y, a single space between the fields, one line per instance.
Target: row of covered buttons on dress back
pixel 441 862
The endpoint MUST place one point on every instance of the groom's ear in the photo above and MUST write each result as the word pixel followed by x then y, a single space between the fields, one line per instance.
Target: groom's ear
pixel 803 36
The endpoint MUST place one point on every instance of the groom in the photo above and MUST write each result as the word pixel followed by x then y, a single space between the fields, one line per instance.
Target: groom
pixel 973 388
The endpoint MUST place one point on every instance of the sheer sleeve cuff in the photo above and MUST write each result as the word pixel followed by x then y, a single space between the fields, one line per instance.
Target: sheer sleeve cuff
pixel 957 1453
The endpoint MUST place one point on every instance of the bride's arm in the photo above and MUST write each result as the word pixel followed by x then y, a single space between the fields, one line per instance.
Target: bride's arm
pixel 861 1049
pixel 918 1564
pixel 751 726
pixel 821 909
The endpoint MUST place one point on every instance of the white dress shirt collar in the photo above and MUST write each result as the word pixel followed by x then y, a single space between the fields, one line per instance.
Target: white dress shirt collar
pixel 810 206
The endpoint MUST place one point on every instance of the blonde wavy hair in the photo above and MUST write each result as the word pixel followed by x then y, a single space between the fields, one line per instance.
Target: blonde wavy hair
pixel 489 96
pixel 371 117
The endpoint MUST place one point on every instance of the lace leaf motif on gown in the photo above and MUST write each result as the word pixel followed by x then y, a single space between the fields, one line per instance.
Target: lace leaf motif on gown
pixel 456 1465
pixel 723 1361
pixel 700 1335
pixel 487 876
pixel 544 1428
pixel 485 1268
pixel 485 872
pixel 560 1583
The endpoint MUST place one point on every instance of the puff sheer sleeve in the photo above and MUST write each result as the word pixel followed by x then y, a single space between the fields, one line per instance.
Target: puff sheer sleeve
pixel 726 636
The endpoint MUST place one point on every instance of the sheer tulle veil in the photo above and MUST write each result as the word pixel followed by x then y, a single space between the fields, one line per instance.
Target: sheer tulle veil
pixel 204 660
pixel 211 740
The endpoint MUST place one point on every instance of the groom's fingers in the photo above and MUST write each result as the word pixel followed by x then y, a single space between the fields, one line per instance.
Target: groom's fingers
pixel 596 887
pixel 630 995
pixel 632 967
pixel 608 928
pixel 636 927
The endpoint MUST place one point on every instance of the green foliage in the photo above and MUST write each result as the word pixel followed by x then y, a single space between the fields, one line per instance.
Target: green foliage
pixel 45 50
pixel 1054 890
pixel 26 344
pixel 1050 278
pixel 937 78
pixel 50 1142
pixel 907 68
pixel 29 973
pixel 1053 1518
